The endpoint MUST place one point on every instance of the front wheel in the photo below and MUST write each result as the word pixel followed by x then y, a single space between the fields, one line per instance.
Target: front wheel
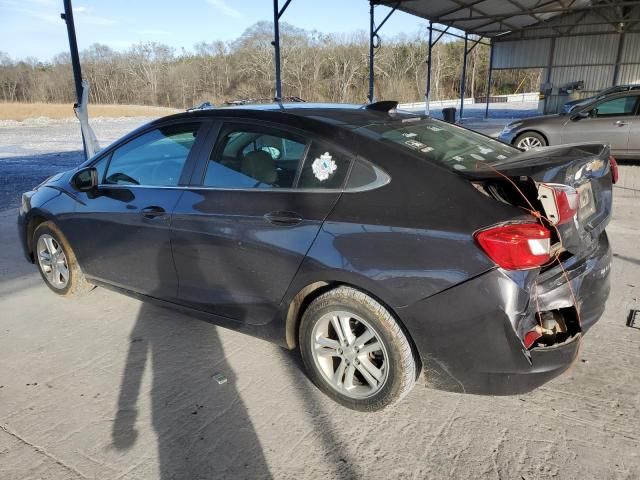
pixel 355 351
pixel 56 261
pixel 529 140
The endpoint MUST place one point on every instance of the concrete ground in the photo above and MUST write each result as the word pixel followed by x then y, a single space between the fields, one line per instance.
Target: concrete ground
pixel 106 387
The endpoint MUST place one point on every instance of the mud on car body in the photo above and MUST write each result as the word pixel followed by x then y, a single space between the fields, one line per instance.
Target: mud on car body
pixel 382 244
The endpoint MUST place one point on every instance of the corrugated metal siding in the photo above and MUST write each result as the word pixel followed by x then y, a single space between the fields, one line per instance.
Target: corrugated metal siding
pixel 521 54
pixel 629 74
pixel 598 50
pixel 631 48
pixel 595 78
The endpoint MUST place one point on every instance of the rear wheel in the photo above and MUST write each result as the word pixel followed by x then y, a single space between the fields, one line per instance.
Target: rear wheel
pixel 56 261
pixel 355 351
pixel 528 140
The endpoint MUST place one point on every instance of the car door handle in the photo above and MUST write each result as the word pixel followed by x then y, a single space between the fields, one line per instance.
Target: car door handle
pixel 152 212
pixel 621 123
pixel 283 218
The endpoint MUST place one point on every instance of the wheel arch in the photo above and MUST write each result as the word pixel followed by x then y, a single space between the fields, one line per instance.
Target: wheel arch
pixel 306 295
pixel 35 219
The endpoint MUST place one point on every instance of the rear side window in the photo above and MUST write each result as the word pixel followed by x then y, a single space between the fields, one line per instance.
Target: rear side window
pixel 365 176
pixel 154 158
pixel 246 158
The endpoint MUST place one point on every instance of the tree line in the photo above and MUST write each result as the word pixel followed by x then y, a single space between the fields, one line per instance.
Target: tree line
pixel 315 67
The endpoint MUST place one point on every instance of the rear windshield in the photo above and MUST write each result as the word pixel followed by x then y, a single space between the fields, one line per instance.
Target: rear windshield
pixel 441 142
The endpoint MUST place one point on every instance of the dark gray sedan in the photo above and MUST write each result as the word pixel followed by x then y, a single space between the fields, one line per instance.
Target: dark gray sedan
pixel 614 119
pixel 380 244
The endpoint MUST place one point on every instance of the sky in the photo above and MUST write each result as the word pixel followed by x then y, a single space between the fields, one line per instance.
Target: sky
pixel 33 28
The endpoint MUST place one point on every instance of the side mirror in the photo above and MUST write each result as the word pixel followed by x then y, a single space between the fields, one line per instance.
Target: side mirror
pixel 581 115
pixel 85 180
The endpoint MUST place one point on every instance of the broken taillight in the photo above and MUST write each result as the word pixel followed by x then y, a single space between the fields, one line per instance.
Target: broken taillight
pixel 614 169
pixel 517 246
pixel 560 202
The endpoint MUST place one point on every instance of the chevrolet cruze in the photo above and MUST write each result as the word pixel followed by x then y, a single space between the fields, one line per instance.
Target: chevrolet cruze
pixel 383 245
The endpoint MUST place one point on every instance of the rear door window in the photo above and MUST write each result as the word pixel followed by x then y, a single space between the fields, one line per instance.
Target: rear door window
pixel 255 158
pixel 325 167
pixel 617 107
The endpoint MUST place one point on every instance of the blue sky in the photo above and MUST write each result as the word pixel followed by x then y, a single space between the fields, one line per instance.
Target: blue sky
pixel 33 28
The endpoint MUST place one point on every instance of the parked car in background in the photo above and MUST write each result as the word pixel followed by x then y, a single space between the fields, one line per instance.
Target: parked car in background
pixel 569 106
pixel 381 244
pixel 614 119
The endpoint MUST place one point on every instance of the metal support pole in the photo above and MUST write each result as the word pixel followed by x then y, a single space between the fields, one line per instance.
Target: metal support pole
pixel 372 33
pixel 616 69
pixel 486 110
pixel 464 75
pixel 276 45
pixel 427 93
pixel 67 16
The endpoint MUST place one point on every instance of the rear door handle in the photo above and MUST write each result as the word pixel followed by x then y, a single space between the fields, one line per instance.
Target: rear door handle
pixel 152 212
pixel 283 218
pixel 621 123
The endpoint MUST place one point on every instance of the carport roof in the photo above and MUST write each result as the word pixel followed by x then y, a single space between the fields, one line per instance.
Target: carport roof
pixel 493 18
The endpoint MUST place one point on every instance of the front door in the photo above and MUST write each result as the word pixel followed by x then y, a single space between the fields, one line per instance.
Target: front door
pixel 240 235
pixel 121 231
pixel 609 122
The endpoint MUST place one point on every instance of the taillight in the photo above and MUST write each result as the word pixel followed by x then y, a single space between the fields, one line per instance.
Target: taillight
pixel 560 202
pixel 516 246
pixel 614 169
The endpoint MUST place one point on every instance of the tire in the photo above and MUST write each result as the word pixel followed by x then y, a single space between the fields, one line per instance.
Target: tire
pixel 528 140
pixel 47 237
pixel 325 356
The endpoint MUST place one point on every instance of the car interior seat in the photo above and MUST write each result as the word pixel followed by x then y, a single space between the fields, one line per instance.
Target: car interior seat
pixel 260 165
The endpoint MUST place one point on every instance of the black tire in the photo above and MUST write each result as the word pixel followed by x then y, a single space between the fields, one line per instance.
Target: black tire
pixel 533 138
pixel 400 363
pixel 76 283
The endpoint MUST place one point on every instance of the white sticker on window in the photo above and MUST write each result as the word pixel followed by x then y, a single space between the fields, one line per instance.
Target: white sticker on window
pixel 426 149
pixel 477 157
pixel 410 134
pixel 501 157
pixel 484 150
pixel 414 144
pixel 323 166
pixel 459 166
pixel 458 158
pixel 434 128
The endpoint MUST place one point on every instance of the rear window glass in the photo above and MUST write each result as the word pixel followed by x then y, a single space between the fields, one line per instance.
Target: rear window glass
pixel 443 143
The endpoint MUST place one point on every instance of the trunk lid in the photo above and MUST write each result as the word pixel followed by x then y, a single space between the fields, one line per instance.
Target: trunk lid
pixel 585 167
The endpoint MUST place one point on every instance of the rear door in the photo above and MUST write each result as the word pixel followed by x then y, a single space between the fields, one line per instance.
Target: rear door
pixel 121 231
pixel 609 122
pixel 256 206
pixel 634 134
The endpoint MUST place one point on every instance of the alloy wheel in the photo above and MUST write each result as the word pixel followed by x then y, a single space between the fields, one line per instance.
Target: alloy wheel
pixel 349 354
pixel 53 261
pixel 527 143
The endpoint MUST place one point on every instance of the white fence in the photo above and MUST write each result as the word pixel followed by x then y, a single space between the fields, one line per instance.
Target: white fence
pixel 528 97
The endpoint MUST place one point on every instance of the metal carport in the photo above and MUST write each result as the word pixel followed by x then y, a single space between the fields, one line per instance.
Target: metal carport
pixel 597 41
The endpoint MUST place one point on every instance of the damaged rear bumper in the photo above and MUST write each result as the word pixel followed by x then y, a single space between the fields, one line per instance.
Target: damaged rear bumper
pixel 470 337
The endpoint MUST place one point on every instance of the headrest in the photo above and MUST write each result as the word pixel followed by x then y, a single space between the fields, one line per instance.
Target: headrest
pixel 260 165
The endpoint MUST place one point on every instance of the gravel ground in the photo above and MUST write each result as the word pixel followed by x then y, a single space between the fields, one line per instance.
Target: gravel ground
pixel 105 387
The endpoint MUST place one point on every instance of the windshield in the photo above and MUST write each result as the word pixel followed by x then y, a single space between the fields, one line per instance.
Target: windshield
pixel 442 143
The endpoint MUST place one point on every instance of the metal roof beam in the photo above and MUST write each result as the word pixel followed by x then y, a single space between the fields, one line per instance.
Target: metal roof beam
pixel 538 10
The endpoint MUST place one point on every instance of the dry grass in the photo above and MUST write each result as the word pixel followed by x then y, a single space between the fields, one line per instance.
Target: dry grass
pixel 22 111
